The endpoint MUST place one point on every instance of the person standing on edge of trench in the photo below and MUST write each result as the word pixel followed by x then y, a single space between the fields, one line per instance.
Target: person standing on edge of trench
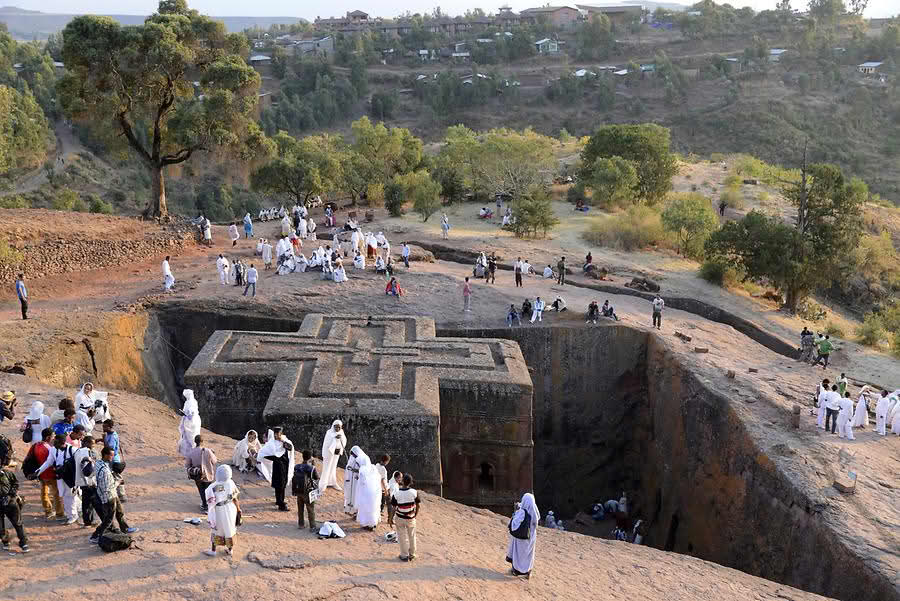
pixel 658 304
pixel 22 293
pixel 561 266
pixel 200 464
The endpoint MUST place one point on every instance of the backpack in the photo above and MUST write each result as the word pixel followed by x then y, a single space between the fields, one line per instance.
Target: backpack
pixel 30 465
pixel 66 473
pixel 87 467
pixel 523 532
pixel 27 433
pixel 6 451
pixel 303 482
pixel 115 541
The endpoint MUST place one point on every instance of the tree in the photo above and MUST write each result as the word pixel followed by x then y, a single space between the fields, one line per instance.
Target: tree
pixel 646 145
pixel 798 258
pixel 514 163
pixel 384 152
pixel 302 169
pixel 827 11
pixel 139 79
pixel 424 192
pixel 613 181
pixel 691 218
pixel 534 213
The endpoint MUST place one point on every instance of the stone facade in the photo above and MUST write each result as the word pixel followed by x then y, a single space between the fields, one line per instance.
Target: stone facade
pixel 454 412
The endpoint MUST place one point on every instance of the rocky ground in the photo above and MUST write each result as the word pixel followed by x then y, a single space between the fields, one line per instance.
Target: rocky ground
pixel 460 556
pixel 68 306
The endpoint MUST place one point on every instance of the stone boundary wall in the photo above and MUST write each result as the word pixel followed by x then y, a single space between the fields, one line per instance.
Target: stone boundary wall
pixel 52 257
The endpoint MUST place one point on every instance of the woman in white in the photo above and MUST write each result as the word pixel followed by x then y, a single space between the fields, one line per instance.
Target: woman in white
pixel 36 420
pixel 190 423
pixel 368 499
pixel 86 399
pixel 520 552
pixel 861 414
pixel 286 228
pixel 445 226
pixel 894 413
pixel 168 278
pixel 245 452
pixel 332 448
pixel 359 261
pixel 207 232
pixel 301 228
pixel 311 228
pixel 224 511
pixel 302 263
pixel 233 234
pixel 339 274
pixel 276 447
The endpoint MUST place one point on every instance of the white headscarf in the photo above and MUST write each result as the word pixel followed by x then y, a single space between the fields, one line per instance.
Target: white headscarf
pixel 190 408
pixel 36 411
pixel 242 449
pixel 331 435
pixel 528 505
pixel 84 400
pixel 223 473
pixel 275 448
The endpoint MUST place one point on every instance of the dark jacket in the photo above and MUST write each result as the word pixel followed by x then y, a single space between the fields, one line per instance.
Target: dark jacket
pixel 9 487
pixel 301 473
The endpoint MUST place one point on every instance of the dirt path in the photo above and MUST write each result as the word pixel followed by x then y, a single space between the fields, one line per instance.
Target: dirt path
pixel 67 147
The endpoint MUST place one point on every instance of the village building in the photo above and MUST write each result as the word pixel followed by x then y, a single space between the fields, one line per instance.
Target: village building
pixel 563 17
pixel 620 15
pixel 869 68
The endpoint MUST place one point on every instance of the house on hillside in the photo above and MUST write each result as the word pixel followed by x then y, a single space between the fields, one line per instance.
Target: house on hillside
pixel 506 18
pixel 317 46
pixel 547 46
pixel 259 60
pixel 869 68
pixel 358 16
pixel 775 54
pixel 564 17
pixel 618 15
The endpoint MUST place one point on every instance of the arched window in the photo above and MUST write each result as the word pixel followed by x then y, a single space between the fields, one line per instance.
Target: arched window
pixel 486 476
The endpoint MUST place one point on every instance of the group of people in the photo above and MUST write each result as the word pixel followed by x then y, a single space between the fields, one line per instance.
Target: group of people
pixel 533 309
pixel 79 470
pixel 815 349
pixel 367 488
pixel 835 410
pixel 595 312
pixel 236 273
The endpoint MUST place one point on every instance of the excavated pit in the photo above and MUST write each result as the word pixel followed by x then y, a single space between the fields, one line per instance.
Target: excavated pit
pixel 614 410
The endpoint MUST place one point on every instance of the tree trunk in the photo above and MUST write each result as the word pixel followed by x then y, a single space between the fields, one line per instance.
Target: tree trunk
pixel 157 206
pixel 792 298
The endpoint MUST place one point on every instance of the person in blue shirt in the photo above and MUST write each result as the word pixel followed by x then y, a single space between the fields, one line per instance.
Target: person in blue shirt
pixel 111 439
pixel 22 293
pixel 66 426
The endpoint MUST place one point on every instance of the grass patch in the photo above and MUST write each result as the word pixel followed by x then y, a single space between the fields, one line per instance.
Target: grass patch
pixel 733 198
pixel 638 227
pixel 834 330
pixel 871 331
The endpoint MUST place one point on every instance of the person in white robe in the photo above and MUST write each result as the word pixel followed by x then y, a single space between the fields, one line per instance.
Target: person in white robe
pixel 339 274
pixel 286 226
pixel 302 263
pixel 168 278
pixel 311 229
pixel 282 212
pixel 233 234
pixel 893 416
pixel 207 232
pixel 224 511
pixel 861 414
pixel 351 480
pixel 266 252
pixel 223 267
pixel 355 240
pixel 246 452
pixel 368 498
pixel 248 226
pixel 520 552
pixel 36 421
pixel 823 401
pixel 881 411
pixel 845 418
pixel 302 229
pixel 332 448
pixel 276 447
pixel 371 245
pixel 259 246
pixel 87 398
pixel 359 261
pixel 190 423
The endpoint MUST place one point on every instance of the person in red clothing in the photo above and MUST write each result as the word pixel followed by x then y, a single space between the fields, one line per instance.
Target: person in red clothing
pixel 393 288
pixel 53 506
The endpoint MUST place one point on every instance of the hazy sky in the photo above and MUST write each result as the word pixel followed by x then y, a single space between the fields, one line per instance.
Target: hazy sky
pixel 310 9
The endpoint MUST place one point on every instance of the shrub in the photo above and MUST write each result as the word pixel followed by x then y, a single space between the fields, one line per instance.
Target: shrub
pixel 80 205
pixel 762 196
pixel 534 214
pixel 9 256
pixel 716 157
pixel 637 228
pixel 718 272
pixel 394 197
pixel 895 345
pixel 732 197
pixel 834 330
pixel 732 181
pixel 375 194
pixel 15 201
pixel 98 205
pixel 871 331
pixel 890 317
pixel 690 218
pixel 575 193
pixel 65 199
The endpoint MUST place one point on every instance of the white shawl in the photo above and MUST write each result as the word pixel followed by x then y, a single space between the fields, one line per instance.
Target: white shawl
pixel 242 450
pixel 275 448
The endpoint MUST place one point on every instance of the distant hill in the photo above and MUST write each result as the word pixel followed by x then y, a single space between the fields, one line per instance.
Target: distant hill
pixel 30 24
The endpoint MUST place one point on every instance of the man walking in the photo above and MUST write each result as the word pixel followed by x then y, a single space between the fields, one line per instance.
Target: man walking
pixel 517 268
pixel 404 252
pixel 306 481
pixel 109 498
pixel 252 277
pixel 538 310
pixel 200 464
pixel 806 345
pixel 561 266
pixel 492 269
pixel 832 407
pixel 168 278
pixel 406 502
pixel 467 295
pixel 824 347
pixel 22 293
pixel 658 304
pixel 9 509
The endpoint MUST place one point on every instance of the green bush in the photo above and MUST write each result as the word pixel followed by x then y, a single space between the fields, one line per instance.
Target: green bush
pixel 65 199
pixel 718 272
pixel 375 194
pixel 98 205
pixel 834 330
pixel 871 331
pixel 9 256
pixel 732 181
pixel 14 201
pixel 80 205
pixel 890 317
pixel 895 345
pixel 639 227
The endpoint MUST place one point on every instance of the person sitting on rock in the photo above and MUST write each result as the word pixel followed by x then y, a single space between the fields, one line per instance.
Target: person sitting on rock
pixel 559 305
pixel 608 311
pixel 526 308
pixel 513 315
pixel 593 312
pixel 393 288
